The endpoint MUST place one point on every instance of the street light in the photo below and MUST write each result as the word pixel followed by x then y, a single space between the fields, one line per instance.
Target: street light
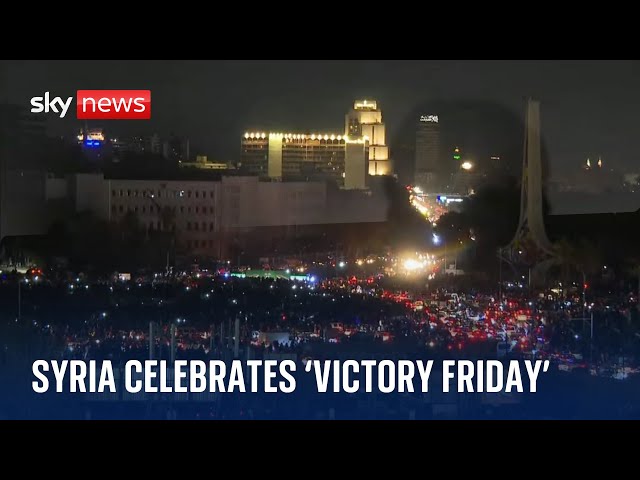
pixel 466 165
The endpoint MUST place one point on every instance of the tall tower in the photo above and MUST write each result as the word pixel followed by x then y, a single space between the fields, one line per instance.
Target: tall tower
pixel 365 120
pixel 530 245
pixel 428 167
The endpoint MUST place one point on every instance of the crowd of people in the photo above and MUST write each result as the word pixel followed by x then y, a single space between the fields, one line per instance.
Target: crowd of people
pixel 194 316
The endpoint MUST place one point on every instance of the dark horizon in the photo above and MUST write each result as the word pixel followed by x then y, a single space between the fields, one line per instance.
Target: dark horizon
pixel 587 107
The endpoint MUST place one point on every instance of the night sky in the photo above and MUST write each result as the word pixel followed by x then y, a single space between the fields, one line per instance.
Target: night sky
pixel 588 107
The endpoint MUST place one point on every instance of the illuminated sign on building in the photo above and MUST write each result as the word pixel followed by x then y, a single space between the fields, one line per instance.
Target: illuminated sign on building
pixel 429 118
pixel 95 135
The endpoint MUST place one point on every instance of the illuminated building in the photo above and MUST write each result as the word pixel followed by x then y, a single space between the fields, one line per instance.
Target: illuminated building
pixel 91 137
pixel 588 165
pixel 427 162
pixel 291 156
pixel 92 142
pixel 365 121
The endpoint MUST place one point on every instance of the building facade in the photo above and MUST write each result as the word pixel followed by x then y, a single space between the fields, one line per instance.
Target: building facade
pixel 306 157
pixel 209 217
pixel 428 164
pixel 364 120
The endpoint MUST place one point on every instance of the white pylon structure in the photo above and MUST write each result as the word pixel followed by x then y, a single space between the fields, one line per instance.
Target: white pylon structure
pixel 530 244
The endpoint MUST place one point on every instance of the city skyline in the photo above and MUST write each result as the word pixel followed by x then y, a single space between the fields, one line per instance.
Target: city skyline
pixel 586 106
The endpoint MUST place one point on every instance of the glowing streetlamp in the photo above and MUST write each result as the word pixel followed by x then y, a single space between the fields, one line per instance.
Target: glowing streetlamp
pixel 467 165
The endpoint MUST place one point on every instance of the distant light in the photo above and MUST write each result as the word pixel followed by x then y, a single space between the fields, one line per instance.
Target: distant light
pixel 436 239
pixel 342 264
pixel 411 264
pixel 466 165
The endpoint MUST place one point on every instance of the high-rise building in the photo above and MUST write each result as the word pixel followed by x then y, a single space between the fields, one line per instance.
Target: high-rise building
pixel 291 156
pixel 428 165
pixel 365 120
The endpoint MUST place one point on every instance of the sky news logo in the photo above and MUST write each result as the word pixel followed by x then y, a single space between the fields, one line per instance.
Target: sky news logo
pixel 98 104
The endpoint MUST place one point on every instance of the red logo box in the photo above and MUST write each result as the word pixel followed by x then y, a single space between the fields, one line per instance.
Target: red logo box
pixel 113 104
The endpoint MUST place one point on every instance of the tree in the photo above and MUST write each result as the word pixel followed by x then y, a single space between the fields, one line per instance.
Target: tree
pixel 168 219
pixel 84 239
pixel 406 228
pixel 582 257
pixel 490 216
